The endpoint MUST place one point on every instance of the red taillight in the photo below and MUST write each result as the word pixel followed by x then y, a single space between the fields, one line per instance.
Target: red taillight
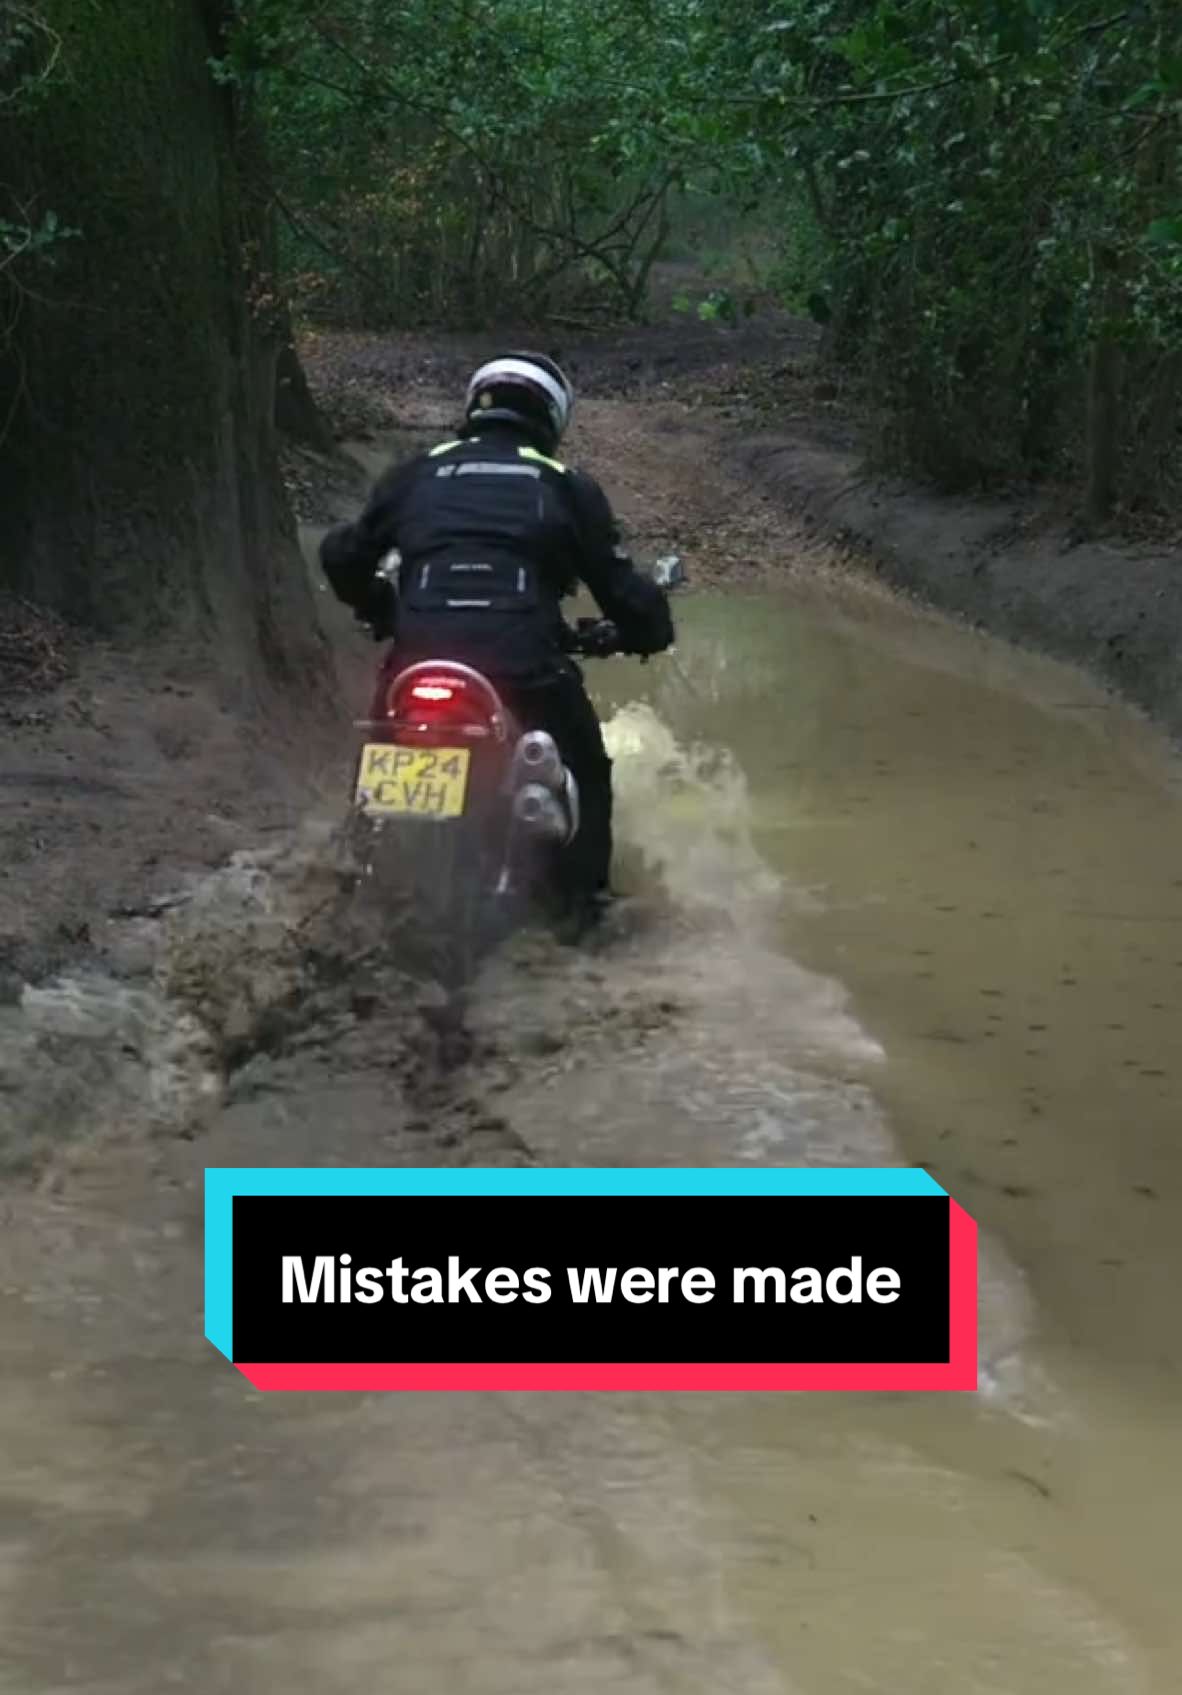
pixel 440 703
pixel 427 697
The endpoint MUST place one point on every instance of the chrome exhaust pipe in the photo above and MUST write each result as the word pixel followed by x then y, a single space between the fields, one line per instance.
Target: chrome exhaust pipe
pixel 540 811
pixel 536 759
pixel 573 812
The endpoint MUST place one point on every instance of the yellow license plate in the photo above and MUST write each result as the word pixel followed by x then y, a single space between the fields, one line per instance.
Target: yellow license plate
pixel 412 782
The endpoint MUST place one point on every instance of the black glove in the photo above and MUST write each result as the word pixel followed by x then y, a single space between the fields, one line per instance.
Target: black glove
pixel 644 618
pixel 379 609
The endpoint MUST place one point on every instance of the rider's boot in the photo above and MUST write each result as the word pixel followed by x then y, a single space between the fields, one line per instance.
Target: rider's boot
pixel 581 916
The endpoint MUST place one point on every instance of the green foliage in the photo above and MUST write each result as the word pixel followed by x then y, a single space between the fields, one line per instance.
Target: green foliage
pixel 980 199
pixel 447 161
pixel 30 51
pixel 718 306
pixel 18 239
pixel 996 191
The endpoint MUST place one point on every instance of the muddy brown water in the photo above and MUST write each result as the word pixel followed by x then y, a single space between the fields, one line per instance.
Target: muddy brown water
pixel 920 899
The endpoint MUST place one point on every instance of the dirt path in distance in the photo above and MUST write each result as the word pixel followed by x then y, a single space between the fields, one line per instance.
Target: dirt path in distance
pixel 749 441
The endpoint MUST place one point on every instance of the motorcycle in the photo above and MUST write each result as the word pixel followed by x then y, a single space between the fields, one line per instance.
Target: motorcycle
pixel 458 812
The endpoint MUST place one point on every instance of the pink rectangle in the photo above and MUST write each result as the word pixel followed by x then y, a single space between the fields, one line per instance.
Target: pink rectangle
pixel 599 1377
pixel 958 1374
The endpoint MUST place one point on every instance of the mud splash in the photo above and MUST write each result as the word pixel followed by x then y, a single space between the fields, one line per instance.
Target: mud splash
pixel 685 813
pixel 88 1055
pixel 228 969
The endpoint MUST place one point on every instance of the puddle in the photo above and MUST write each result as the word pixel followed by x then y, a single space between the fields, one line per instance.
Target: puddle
pixel 905 899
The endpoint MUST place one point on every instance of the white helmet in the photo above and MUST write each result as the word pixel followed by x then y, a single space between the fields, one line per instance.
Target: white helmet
pixel 522 388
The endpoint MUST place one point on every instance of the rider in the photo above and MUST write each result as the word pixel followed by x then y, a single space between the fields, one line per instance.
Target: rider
pixel 493 532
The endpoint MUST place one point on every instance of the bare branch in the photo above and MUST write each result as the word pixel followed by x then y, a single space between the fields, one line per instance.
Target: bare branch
pixel 25 85
pixel 304 229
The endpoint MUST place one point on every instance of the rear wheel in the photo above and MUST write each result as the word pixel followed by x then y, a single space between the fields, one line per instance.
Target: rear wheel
pixel 425 882
pixel 453 870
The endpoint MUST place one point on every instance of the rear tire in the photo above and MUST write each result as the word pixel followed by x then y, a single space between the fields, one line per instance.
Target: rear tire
pixel 426 883
pixel 454 869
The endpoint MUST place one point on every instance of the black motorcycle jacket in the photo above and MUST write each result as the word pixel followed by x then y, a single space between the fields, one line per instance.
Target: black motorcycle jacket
pixel 492 535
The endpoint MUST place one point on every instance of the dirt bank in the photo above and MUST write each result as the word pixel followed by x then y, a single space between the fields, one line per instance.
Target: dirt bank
pixel 1010 567
pixel 1015 566
pixel 121 771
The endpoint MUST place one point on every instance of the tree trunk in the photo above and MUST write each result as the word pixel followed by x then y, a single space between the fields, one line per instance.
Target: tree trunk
pixel 648 258
pixel 1157 454
pixel 138 478
pixel 1104 396
pixel 297 415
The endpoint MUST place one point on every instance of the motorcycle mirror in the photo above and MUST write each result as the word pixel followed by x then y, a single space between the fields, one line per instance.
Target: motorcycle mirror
pixel 669 572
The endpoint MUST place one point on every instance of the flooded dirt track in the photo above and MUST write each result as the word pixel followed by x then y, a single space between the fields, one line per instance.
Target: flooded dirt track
pixel 901 895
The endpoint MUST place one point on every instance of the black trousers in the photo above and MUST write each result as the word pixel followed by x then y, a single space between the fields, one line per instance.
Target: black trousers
pixel 561 706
